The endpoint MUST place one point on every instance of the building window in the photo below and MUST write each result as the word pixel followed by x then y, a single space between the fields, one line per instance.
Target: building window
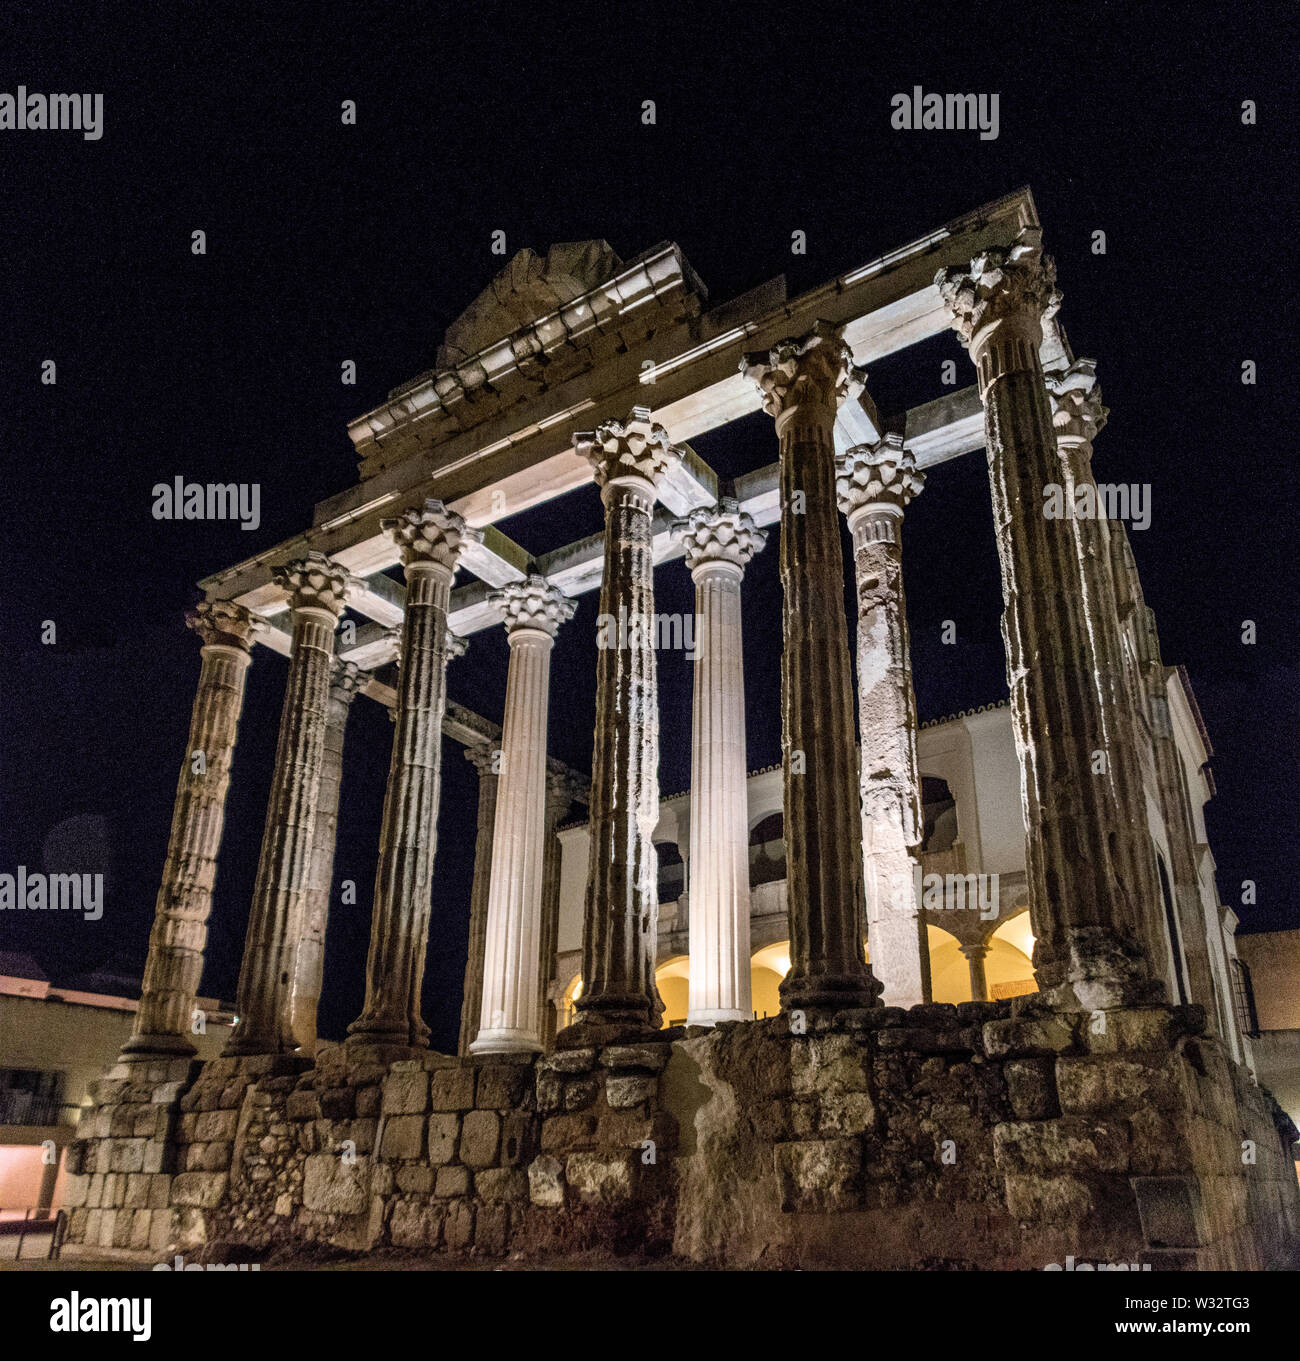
pixel 767 850
pixel 672 872
pixel 30 1098
pixel 939 814
pixel 1243 998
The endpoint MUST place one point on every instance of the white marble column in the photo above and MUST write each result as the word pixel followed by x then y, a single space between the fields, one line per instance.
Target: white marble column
pixel 718 543
pixel 534 611
pixel 309 967
pixel 620 921
pixel 180 929
pixel 430 540
pixel 317 591
pixel 803 382
pixel 1087 917
pixel 874 485
pixel 485 757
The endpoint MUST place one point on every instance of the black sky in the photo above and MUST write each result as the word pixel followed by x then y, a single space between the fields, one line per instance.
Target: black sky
pixel 328 242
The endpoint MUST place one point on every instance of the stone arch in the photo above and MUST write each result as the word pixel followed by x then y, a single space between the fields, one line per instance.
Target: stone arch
pixel 1009 964
pixel 672 978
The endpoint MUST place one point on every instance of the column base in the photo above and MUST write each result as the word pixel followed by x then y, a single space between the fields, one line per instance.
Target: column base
pixel 716 1015
pixel 504 1040
pixel 601 1030
pixel 829 991
pixel 1098 973
pixel 141 1048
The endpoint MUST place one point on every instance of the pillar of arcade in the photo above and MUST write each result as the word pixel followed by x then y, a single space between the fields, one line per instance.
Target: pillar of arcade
pixel 1087 917
pixel 346 680
pixel 485 757
pixel 803 381
pixel 430 540
pixel 718 543
pixel 180 928
pixel 975 955
pixel 534 610
pixel 620 920
pixel 317 591
pixel 874 485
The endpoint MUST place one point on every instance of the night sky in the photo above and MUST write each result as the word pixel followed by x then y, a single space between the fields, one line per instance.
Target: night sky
pixel 327 242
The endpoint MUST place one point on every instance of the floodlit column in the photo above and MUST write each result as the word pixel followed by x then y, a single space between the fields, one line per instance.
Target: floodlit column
pixel 975 957
pixel 180 928
pixel 347 680
pixel 620 922
pixel 534 611
pixel 1086 915
pixel 1077 415
pixel 317 591
pixel 803 383
pixel 430 540
pixel 718 544
pixel 561 793
pixel 874 485
pixel 485 757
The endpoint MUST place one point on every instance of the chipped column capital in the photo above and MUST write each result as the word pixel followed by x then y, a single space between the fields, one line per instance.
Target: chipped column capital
pixel 346 680
pixel 483 757
pixel 636 449
pixel 222 623
pixel 532 604
pixel 1004 285
pixel 431 534
pixel 815 369
pixel 721 535
pixel 874 477
pixel 1075 396
pixel 314 583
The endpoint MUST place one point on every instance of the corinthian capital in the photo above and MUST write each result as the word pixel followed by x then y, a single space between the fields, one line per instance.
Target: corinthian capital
pixel 884 473
pixel 636 447
pixel 314 583
pixel 817 368
pixel 718 534
pixel 224 622
pixel 1075 395
pixel 431 533
pixel 1001 282
pixel 533 603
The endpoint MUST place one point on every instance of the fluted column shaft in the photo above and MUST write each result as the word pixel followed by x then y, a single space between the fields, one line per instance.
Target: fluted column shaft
pixel 180 928
pixel 620 922
pixel 803 383
pixel 264 999
pixel 875 484
pixel 1087 920
pixel 484 759
pixel 310 965
pixel 430 541
pixel 559 798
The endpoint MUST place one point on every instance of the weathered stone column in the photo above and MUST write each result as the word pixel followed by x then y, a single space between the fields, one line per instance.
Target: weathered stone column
pixel 718 545
pixel 430 540
pixel 975 957
pixel 874 484
pixel 1086 917
pixel 803 382
pixel 485 758
pixel 317 591
pixel 534 611
pixel 561 794
pixel 1077 416
pixel 620 923
pixel 180 928
pixel 309 969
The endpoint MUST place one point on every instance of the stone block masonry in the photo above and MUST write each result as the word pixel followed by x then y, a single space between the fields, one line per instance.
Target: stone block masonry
pixel 986 1135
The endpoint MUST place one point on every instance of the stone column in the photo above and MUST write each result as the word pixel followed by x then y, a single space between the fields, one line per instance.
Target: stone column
pixel 874 485
pixel 430 540
pixel 485 758
pixel 180 928
pixel 803 382
pixel 1077 416
pixel 561 793
pixel 718 545
pixel 975 957
pixel 1086 917
pixel 317 591
pixel 620 922
pixel 347 679
pixel 534 611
